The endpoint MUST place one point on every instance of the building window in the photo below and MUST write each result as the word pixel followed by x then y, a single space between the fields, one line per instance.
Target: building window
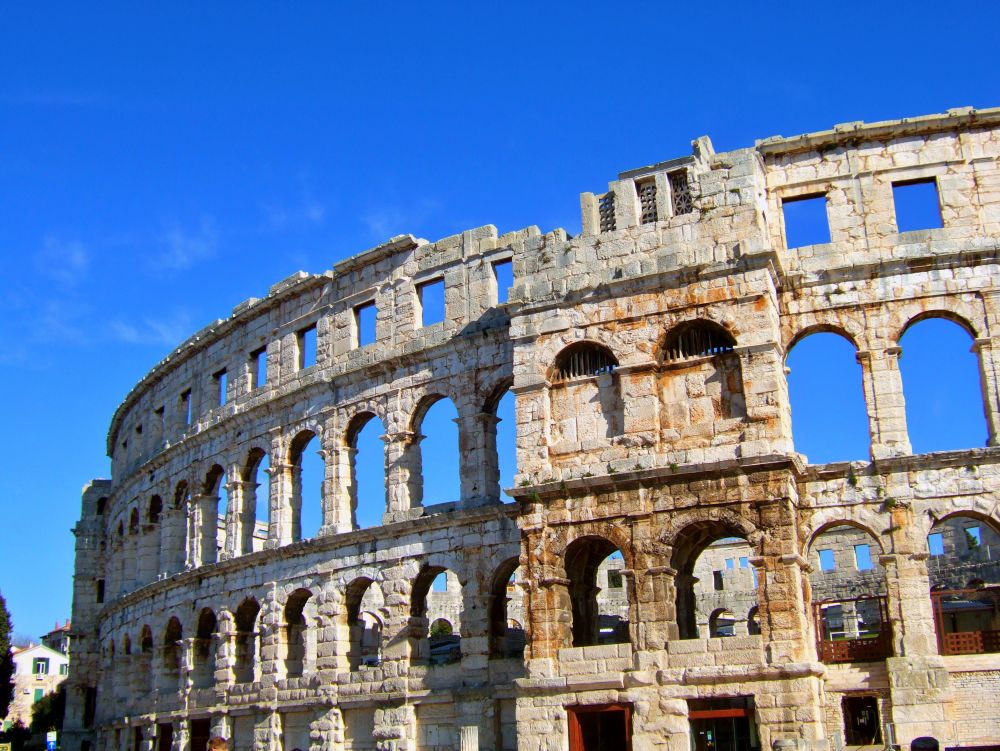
pixel 973 538
pixel 917 205
pixel 744 562
pixel 64 669
pixel 582 360
pixel 717 581
pixel 431 298
pixel 40 666
pixel 161 419
pixel 730 563
pixel 185 406
pixel 826 561
pixel 365 317
pixel 606 211
pixel 99 591
pixel 697 339
pixel 863 557
pixel 220 379
pixel 503 275
pixel 806 222
pixel 647 201
pixel 680 193
pixel 39 693
pixel 306 340
pixel 258 368
pixel 614 579
pixel 935 543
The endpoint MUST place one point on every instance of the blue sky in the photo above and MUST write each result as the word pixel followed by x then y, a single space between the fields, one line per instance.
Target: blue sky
pixel 158 166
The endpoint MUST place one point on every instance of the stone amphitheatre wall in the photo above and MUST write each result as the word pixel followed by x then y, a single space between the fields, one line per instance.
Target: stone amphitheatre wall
pixel 647 357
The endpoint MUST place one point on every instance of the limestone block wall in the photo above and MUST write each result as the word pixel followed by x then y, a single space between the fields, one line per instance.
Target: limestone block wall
pixel 647 358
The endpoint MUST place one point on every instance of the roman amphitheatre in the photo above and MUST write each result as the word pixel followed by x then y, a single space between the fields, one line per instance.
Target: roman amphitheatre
pixel 667 571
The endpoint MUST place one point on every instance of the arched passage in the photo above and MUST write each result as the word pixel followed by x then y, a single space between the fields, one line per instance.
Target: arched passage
pixel 506 443
pixel 204 649
pixel 171 667
pixel 506 610
pixel 256 511
pixel 363 624
pixel 826 393
pixel 299 640
pixel 213 505
pixel 308 477
pixel 439 451
pixel 598 591
pixel 848 595
pixel 942 387
pixel 246 641
pixel 436 595
pixel 367 489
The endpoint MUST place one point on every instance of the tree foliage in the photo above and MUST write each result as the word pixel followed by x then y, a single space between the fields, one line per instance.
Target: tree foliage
pixel 47 713
pixel 6 659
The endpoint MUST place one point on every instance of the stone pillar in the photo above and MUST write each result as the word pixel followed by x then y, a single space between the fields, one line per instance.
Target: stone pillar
pixel 480 468
pixel 989 373
pixel 883 389
pixel 208 527
pixel 402 475
pixel 395 728
pixel 468 738
pixel 339 503
pixel 656 602
pixel 280 530
pixel 193 558
pixel 231 546
pixel 225 651
pixel 222 726
pixel 269 636
pixel 243 513
pixel 182 735
pixel 329 727
pixel 173 525
pixel 267 732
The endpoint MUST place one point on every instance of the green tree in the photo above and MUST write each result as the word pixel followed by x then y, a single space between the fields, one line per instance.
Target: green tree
pixel 47 713
pixel 6 659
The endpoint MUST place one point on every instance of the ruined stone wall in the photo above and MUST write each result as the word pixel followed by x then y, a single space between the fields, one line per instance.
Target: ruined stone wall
pixel 647 357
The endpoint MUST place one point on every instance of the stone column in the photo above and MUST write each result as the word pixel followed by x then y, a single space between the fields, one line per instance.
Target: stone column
pixel 402 475
pixel 208 527
pixel 193 558
pixel 883 389
pixel 480 468
pixel 230 547
pixel 338 504
pixel 395 728
pixel 269 637
pixel 225 652
pixel 468 738
pixel 989 372
pixel 267 732
pixel 656 603
pixel 182 735
pixel 280 531
pixel 173 524
pixel 222 726
pixel 242 518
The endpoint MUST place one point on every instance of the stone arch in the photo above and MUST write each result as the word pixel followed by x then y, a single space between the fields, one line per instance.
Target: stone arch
pixel 170 673
pixel 251 500
pixel 844 328
pixel 698 337
pixel 596 619
pixel 585 358
pixel 154 509
pixel 961 315
pixel 432 434
pixel 427 606
pixel 499 442
pixel 549 351
pixel 181 496
pixel 367 503
pixel 753 621
pixel 203 654
pixel 504 640
pixel 864 520
pixel 721 623
pixel 246 658
pixel 299 633
pixel 133 521
pixel 297 448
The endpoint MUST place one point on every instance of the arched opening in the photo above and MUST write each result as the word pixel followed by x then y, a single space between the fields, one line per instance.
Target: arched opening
pixel 942 387
pixel 256 511
pixel 439 451
pixel 246 641
pixel 721 623
pixel 204 649
pixel 586 404
pixel 214 508
pixel 964 571
pixel 171 672
pixel 308 479
pixel 155 509
pixel 701 380
pixel 367 471
pixel 297 635
pixel 144 660
pixel 848 595
pixel 506 443
pixel 826 393
pixel 714 576
pixel 364 626
pixel 506 608
pixel 437 595
pixel 753 622
pixel 133 522
pixel 598 591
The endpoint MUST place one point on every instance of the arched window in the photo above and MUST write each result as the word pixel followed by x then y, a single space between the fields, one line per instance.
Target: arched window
pixel 506 608
pixel 942 387
pixel 713 568
pixel 296 648
pixel 172 636
pixel 439 451
pixel 364 626
pixel 506 443
pixel 598 591
pixel 753 621
pixel 133 522
pixel 155 509
pixel 437 594
pixel 697 339
pixel 825 389
pixel 367 490
pixel 583 360
pixel 215 506
pixel 204 649
pixel 849 595
pixel 256 511
pixel 308 478
pixel 245 664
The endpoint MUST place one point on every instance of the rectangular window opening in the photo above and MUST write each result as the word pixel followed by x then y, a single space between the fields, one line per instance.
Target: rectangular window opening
pixel 680 193
pixel 606 211
pixel 258 368
pixel 973 537
pixel 39 693
pixel 935 543
pixel 40 666
pixel 161 418
pixel 646 190
pixel 717 581
pixel 615 579
pixel 744 562
pixel 730 563
pixel 826 561
pixel 365 317
pixel 220 379
pixel 805 220
pixel 307 347
pixel 99 591
pixel 503 274
pixel 431 298
pixel 917 205
pixel 863 557
pixel 185 404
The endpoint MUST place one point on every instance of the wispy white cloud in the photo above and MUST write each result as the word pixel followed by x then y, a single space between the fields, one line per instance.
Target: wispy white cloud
pixel 388 221
pixel 181 248
pixel 168 332
pixel 65 261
